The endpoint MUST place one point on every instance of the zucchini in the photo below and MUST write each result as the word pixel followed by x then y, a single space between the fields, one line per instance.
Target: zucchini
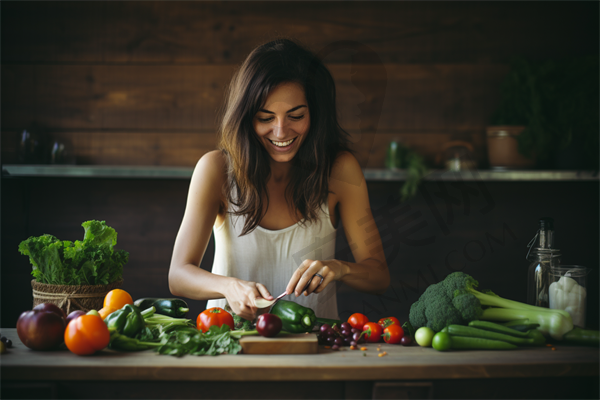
pixel 176 308
pixel 467 331
pixel 474 343
pixel 490 326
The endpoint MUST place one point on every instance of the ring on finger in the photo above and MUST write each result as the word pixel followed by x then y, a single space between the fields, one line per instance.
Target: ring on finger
pixel 320 276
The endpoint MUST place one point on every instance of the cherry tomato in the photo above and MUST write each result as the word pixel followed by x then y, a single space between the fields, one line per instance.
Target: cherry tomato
pixel 213 316
pixel 385 322
pixel 393 334
pixel 86 335
pixel 358 320
pixel 373 332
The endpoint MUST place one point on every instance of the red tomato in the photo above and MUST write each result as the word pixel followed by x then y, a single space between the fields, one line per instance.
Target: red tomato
pixel 373 332
pixel 86 335
pixel 393 334
pixel 358 320
pixel 385 322
pixel 213 316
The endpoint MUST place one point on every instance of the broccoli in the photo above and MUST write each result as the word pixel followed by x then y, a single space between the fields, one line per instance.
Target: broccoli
pixel 456 301
pixel 437 309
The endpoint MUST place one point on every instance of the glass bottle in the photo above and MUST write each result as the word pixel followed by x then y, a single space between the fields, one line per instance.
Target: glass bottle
pixel 542 256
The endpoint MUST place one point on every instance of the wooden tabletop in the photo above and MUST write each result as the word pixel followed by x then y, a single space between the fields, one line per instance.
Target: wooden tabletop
pixel 405 363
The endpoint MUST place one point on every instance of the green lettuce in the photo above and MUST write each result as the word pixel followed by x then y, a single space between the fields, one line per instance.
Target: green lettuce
pixel 93 261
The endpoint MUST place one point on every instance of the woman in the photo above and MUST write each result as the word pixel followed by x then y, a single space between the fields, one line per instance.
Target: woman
pixel 273 193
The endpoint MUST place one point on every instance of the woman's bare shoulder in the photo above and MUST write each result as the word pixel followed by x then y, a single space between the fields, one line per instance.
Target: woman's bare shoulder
pixel 346 170
pixel 212 166
pixel 210 172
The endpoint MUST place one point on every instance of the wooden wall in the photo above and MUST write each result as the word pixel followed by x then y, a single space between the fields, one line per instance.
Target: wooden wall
pixel 141 83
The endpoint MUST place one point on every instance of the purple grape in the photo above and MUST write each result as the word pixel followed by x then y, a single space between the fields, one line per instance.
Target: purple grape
pixel 331 333
pixel 353 343
pixel 346 333
pixel 337 328
pixel 324 328
pixel 330 340
pixel 356 337
pixel 346 326
pixel 354 330
pixel 339 341
pixel 335 347
pixel 347 341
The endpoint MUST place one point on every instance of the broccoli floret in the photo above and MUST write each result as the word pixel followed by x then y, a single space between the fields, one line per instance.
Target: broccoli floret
pixel 458 281
pixel 417 314
pixel 467 305
pixel 436 309
pixel 440 317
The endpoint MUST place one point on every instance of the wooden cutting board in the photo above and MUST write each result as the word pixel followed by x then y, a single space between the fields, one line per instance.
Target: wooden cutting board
pixel 284 344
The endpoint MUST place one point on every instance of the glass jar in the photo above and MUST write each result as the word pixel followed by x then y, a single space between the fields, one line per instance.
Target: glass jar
pixel 538 274
pixel 567 291
pixel 543 257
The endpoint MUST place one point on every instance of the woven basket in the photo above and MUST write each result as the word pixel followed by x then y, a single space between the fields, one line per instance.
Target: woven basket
pixel 72 297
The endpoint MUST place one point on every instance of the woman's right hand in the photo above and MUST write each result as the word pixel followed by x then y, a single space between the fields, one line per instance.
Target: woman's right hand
pixel 241 296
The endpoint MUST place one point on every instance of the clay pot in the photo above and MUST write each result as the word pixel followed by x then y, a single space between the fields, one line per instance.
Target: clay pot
pixel 503 148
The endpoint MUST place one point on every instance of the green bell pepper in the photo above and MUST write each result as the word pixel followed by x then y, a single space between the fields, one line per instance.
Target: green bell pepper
pixel 127 321
pixel 296 318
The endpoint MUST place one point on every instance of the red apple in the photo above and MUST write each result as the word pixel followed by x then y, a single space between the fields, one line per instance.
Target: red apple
pixel 51 307
pixel 41 330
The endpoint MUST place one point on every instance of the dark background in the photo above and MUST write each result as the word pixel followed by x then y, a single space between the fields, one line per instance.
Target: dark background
pixel 141 83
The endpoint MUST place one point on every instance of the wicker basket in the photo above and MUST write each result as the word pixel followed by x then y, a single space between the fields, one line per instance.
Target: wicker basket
pixel 72 297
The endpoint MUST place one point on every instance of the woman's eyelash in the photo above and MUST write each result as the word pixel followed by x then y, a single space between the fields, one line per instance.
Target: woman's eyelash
pixel 271 118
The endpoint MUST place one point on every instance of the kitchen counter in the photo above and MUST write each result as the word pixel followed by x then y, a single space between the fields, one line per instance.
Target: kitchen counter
pixel 420 371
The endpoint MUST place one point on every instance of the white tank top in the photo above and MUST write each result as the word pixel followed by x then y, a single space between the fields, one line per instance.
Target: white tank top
pixel 271 257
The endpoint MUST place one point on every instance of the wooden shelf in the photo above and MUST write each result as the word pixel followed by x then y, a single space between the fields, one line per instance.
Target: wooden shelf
pixel 161 172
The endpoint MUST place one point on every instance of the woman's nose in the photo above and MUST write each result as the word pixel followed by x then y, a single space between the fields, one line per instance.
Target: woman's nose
pixel 279 129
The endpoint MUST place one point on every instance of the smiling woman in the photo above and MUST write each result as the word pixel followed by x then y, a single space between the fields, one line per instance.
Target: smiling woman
pixel 274 192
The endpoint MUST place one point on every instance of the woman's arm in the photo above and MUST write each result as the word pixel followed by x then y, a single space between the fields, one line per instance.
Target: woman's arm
pixel 186 279
pixel 370 272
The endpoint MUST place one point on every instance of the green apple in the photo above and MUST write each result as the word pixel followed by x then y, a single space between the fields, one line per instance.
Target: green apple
pixel 424 336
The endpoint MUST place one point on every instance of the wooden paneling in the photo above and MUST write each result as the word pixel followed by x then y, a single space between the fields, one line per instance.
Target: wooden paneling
pixel 388 97
pixel 224 32
pixel 112 113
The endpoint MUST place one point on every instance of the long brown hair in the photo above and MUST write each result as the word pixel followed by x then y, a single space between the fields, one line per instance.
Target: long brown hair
pixel 266 67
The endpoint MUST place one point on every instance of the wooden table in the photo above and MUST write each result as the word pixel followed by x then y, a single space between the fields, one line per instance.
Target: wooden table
pixel 405 372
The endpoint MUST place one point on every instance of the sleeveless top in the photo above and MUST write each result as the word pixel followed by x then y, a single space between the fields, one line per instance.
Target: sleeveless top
pixel 270 257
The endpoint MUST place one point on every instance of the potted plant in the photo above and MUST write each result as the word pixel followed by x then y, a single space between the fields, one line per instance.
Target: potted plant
pixel 552 108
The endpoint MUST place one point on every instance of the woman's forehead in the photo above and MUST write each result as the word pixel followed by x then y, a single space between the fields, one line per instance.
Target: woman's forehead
pixel 289 94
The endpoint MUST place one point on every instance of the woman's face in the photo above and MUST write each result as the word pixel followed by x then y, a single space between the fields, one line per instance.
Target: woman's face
pixel 283 122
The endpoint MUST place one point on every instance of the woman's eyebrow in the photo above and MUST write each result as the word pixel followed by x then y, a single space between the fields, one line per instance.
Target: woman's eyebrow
pixel 288 111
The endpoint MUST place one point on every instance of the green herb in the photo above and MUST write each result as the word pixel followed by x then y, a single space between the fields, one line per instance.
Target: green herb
pixel 214 342
pixel 239 323
pixel 93 261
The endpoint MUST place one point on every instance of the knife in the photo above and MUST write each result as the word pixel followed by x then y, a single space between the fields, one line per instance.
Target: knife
pixel 262 303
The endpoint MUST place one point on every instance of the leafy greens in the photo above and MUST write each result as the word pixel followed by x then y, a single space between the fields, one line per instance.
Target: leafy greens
pixel 217 340
pixel 93 261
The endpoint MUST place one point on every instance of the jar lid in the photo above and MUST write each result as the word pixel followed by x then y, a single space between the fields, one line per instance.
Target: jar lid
pixel 504 131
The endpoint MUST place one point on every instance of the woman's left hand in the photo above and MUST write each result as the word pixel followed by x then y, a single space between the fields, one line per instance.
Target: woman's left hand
pixel 330 270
